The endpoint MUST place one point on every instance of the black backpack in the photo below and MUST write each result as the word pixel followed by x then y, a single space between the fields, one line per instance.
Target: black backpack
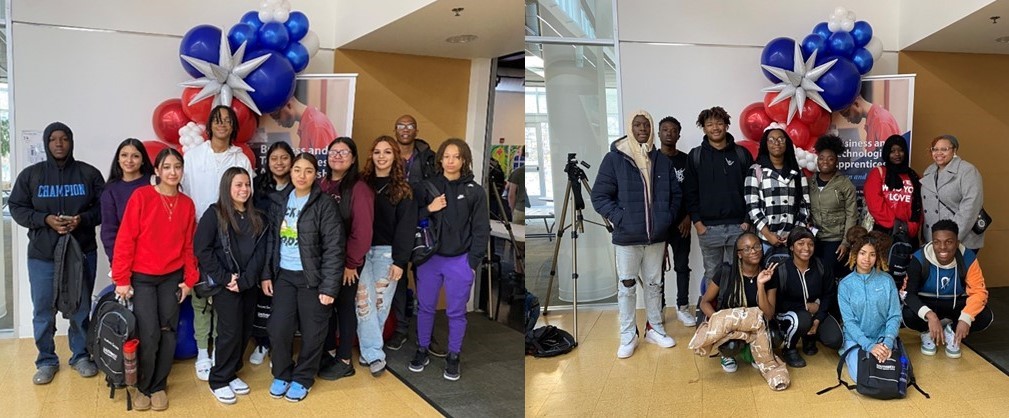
pixel 887 380
pixel 549 341
pixel 426 238
pixel 899 256
pixel 112 325
pixel 68 275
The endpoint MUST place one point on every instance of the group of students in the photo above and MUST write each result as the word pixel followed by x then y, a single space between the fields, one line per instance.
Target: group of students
pixel 793 246
pixel 326 252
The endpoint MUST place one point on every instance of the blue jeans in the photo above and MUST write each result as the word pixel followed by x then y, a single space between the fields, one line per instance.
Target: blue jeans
pixel 40 279
pixel 642 262
pixel 374 297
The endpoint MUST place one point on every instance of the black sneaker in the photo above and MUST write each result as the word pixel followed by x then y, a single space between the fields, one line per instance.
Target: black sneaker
pixel 809 347
pixel 793 358
pixel 336 369
pixel 397 341
pixel 452 367
pixel 436 349
pixel 419 361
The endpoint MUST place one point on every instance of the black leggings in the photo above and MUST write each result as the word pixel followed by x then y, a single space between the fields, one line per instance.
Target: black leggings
pixel 156 307
pixel 795 325
pixel 947 309
pixel 343 321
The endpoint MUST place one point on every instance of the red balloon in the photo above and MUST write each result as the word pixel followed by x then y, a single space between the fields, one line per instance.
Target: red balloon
pixel 753 121
pixel 778 111
pixel 168 119
pixel 154 147
pixel 810 112
pixel 752 146
pixel 199 111
pixel 820 125
pixel 252 156
pixel 799 133
pixel 246 128
pixel 242 111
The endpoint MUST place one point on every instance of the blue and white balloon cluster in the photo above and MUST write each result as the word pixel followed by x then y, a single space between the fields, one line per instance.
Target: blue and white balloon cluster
pixel 843 36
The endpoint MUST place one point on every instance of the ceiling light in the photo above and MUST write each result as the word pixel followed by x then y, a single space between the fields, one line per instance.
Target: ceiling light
pixel 460 39
pixel 1002 40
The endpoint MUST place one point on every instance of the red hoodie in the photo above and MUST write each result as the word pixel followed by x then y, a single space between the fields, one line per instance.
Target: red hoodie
pixel 150 243
pixel 885 205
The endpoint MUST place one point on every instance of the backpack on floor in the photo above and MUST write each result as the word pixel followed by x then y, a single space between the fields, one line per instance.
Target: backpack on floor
pixel 264 307
pixel 550 341
pixel 112 325
pixel 887 380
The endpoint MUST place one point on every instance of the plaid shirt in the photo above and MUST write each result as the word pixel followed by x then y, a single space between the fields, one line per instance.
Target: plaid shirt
pixel 771 201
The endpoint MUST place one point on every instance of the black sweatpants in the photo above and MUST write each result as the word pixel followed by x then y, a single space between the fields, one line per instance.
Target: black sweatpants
pixel 235 313
pixel 156 307
pixel 946 309
pixel 795 325
pixel 296 306
pixel 343 320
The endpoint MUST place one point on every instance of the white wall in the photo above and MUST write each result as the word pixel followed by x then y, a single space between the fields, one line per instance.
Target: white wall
pixel 678 57
pixel 357 18
pixel 509 118
pixel 921 18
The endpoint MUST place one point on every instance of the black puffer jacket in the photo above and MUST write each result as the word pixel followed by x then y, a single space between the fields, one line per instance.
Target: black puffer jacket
pixel 320 240
pixel 220 265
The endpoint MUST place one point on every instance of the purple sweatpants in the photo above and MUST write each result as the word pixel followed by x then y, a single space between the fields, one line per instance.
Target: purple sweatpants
pixel 455 274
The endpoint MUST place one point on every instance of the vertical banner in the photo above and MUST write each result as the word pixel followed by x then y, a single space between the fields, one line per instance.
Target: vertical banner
pixel 883 108
pixel 321 110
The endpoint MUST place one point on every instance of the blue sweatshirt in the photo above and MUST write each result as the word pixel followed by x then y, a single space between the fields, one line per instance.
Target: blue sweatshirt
pixel 870 308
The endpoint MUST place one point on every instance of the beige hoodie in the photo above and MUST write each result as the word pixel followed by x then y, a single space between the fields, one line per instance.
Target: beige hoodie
pixel 638 151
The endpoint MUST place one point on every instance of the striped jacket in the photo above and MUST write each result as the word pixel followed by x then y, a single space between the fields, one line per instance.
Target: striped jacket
pixel 771 199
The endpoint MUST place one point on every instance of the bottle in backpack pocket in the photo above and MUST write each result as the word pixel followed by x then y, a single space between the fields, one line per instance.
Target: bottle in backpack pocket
pixel 130 362
pixel 425 229
pixel 902 385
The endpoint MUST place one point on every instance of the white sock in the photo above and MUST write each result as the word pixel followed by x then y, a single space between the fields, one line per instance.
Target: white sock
pixel 203 354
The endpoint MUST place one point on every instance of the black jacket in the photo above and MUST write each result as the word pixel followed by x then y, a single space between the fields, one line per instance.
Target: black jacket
pixel 45 189
pixel 394 225
pixel 215 263
pixel 320 240
pixel 422 166
pixel 464 223
pixel 714 190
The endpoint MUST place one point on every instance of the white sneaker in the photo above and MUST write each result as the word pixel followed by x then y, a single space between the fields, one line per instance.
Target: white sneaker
pixel 927 344
pixel 203 369
pixel 952 349
pixel 686 317
pixel 239 387
pixel 258 355
pixel 658 339
pixel 626 350
pixel 224 395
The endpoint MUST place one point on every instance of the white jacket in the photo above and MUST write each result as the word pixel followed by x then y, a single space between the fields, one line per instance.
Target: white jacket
pixel 203 171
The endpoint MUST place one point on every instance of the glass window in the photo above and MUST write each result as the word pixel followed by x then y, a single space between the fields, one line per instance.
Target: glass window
pixel 585 19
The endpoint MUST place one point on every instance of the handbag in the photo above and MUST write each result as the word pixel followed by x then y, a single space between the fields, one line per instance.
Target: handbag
pixel 982 222
pixel 426 238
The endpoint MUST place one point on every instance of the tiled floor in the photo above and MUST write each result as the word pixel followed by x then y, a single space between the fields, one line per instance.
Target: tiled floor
pixel 69 395
pixel 591 381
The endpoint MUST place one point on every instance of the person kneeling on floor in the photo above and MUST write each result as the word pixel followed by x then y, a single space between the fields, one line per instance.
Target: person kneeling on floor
pixel 946 294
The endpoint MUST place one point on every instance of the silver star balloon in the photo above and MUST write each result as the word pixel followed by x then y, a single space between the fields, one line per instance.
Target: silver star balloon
pixel 799 84
pixel 225 80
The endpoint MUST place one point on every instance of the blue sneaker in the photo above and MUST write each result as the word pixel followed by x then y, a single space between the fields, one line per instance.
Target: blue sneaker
pixel 296 393
pixel 279 388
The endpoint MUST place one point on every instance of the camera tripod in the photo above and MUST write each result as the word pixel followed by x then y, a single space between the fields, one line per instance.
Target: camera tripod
pixel 576 180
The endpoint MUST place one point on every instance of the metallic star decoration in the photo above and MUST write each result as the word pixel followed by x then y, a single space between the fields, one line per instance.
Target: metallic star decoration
pixel 225 80
pixel 799 84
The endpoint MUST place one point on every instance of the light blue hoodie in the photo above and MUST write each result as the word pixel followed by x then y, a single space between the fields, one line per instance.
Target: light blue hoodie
pixel 870 309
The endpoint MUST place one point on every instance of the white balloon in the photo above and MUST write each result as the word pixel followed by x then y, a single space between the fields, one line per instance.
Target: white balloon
pixel 266 15
pixel 264 4
pixel 311 43
pixel 847 25
pixel 834 18
pixel 833 26
pixel 281 15
pixel 850 16
pixel 286 5
pixel 273 2
pixel 875 47
pixel 811 166
pixel 840 11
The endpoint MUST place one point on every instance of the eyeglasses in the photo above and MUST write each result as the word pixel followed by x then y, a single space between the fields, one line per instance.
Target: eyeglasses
pixel 749 250
pixel 779 141
pixel 943 149
pixel 406 126
pixel 340 154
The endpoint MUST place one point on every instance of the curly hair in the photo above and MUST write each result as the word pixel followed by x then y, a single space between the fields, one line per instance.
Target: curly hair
pixel 399 189
pixel 716 112
pixel 859 237
pixel 831 142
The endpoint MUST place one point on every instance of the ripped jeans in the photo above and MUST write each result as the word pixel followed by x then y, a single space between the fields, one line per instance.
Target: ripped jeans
pixel 639 264
pixel 374 298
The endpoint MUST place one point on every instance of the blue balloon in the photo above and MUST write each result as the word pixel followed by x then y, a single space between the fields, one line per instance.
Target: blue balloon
pixel 840 44
pixel 273 36
pixel 862 59
pixel 862 33
pixel 841 84
pixel 242 33
pixel 201 42
pixel 297 25
pixel 822 57
pixel 297 55
pixel 822 30
pixel 251 18
pixel 185 342
pixel 812 43
pixel 780 52
pixel 273 81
